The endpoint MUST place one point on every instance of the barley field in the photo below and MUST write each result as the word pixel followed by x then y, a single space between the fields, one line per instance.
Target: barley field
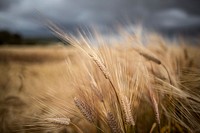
pixel 118 86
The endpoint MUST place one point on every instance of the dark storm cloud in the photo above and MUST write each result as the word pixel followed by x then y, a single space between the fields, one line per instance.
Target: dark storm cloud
pixel 175 21
pixel 166 16
pixel 191 6
pixel 6 4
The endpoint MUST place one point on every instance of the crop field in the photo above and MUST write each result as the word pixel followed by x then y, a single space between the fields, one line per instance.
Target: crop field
pixel 119 86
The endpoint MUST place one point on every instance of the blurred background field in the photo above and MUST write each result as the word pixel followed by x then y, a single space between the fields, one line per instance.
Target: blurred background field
pixel 28 73
pixel 37 81
pixel 41 72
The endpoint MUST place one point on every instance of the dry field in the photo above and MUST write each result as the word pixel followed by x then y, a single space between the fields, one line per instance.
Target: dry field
pixel 122 87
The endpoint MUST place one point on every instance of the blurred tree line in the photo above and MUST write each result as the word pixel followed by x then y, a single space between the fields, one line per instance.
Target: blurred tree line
pixel 9 38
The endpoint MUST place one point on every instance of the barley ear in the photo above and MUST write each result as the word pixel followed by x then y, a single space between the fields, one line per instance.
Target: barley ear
pixel 86 111
pixel 151 58
pixel 127 111
pixel 59 121
pixel 155 107
pixel 101 66
pixel 112 123
pixel 157 61
pixel 96 90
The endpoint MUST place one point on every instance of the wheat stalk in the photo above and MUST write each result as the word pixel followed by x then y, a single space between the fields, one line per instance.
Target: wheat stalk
pixel 59 121
pixel 151 58
pixel 85 110
pixel 96 90
pixel 113 124
pixel 106 74
pixel 100 65
pixel 127 110
pixel 157 61
pixel 155 107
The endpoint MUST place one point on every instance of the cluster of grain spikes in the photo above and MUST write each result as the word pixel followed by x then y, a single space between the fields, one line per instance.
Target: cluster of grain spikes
pixel 115 108
pixel 116 84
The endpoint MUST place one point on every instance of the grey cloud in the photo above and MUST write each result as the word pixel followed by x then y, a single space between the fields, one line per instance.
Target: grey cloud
pixel 70 14
pixel 190 6
pixel 175 21
pixel 175 18
pixel 6 4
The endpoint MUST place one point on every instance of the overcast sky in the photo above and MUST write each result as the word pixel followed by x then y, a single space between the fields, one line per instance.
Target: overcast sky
pixel 170 16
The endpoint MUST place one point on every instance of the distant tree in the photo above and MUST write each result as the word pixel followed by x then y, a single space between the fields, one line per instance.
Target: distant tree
pixel 7 37
pixel 10 38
